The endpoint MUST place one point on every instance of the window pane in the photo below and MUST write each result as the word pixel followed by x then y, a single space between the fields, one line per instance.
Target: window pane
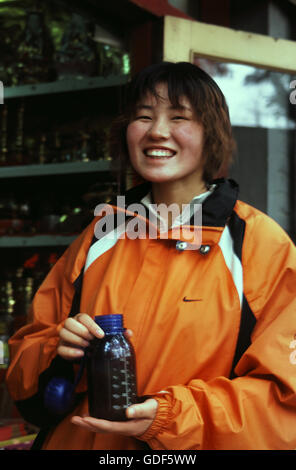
pixel 263 118
pixel 256 97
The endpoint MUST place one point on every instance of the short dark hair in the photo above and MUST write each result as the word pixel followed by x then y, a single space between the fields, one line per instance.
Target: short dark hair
pixel 204 95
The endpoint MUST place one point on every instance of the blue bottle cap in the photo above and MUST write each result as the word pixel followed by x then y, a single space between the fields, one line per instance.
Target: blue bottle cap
pixel 110 324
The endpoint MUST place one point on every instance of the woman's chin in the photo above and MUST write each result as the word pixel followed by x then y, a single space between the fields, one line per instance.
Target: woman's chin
pixel 156 178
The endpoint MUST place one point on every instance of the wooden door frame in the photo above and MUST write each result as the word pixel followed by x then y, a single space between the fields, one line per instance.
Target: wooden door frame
pixel 182 38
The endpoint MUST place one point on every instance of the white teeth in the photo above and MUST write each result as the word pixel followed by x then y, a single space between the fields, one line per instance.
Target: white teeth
pixel 159 153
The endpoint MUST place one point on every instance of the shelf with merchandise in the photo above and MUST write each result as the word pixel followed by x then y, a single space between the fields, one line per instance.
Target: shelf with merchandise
pixel 63 86
pixel 36 241
pixel 42 169
pixel 45 128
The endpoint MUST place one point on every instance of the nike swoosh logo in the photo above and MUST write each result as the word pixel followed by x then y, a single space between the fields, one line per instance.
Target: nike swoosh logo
pixel 191 300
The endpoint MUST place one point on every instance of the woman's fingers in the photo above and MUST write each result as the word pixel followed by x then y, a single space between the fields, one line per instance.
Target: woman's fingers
pixel 72 338
pixel 147 409
pixel 128 333
pixel 76 334
pixel 89 324
pixel 79 330
pixel 68 352
pixel 139 421
pixel 84 424
pixel 81 326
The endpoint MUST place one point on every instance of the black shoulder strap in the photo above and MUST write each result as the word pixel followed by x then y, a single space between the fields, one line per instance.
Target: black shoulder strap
pixel 75 307
pixel 248 319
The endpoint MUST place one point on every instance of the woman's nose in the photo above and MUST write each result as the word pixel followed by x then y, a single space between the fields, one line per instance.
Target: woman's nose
pixel 159 129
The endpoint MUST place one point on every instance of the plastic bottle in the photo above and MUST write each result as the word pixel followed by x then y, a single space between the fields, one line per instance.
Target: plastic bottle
pixel 111 371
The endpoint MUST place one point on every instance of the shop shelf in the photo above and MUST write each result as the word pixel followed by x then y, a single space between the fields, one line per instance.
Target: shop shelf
pixel 54 169
pixel 63 86
pixel 36 240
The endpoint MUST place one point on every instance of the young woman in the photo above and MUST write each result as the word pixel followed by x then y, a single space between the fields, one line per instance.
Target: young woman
pixel 213 326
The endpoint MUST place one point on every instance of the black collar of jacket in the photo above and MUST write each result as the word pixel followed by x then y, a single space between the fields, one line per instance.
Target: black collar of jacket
pixel 216 209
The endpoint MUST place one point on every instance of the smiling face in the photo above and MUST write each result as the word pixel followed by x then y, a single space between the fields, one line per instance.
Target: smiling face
pixel 165 143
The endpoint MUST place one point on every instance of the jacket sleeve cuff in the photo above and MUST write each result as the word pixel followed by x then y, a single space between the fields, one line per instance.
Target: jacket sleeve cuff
pixel 163 415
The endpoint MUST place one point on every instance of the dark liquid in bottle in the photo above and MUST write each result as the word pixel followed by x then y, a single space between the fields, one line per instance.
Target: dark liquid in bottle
pixel 111 373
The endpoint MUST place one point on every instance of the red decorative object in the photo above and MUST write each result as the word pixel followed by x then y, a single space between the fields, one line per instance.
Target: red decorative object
pixel 160 8
pixel 31 262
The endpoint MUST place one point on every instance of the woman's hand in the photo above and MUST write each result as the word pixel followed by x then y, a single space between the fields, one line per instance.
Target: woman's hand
pixel 140 417
pixel 76 334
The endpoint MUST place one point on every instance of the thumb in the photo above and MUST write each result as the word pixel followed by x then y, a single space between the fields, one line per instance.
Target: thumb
pixel 147 409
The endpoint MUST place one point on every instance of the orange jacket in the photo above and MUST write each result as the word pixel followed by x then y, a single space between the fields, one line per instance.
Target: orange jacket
pixel 244 283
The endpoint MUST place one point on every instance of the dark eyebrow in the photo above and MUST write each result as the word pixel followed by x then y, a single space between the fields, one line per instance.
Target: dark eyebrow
pixel 143 106
pixel 180 107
